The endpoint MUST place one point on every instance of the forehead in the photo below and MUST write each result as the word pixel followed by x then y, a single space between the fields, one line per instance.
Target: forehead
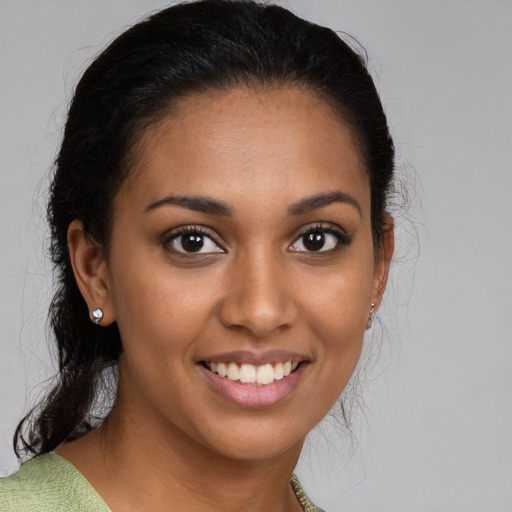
pixel 285 141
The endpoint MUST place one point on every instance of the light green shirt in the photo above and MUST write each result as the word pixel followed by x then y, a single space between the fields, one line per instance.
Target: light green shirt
pixel 49 483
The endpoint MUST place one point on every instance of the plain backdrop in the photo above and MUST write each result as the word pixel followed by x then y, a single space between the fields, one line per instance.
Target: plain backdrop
pixel 436 432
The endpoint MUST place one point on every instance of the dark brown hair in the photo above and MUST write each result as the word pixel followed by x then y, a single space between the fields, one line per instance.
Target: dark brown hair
pixel 187 48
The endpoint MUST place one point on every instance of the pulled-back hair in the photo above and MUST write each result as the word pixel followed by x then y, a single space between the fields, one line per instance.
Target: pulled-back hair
pixel 184 49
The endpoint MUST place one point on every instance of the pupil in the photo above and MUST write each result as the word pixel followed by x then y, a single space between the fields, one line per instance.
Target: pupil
pixel 192 243
pixel 314 241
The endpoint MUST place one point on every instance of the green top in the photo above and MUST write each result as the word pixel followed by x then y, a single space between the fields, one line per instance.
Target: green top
pixel 50 483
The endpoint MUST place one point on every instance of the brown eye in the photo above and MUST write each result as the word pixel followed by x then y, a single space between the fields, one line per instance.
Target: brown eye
pixel 313 241
pixel 320 239
pixel 193 242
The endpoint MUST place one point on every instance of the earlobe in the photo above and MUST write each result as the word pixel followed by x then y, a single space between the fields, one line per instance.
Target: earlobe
pixel 90 270
pixel 383 261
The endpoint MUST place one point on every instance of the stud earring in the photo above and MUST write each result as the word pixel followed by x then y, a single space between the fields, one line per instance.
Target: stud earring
pixel 371 317
pixel 97 315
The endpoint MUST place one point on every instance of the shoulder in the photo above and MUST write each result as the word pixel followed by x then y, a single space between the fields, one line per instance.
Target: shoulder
pixel 48 483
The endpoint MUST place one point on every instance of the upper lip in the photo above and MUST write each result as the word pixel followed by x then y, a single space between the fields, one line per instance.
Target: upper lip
pixel 256 358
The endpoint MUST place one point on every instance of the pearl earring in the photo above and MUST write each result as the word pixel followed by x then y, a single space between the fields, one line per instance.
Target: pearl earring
pixel 97 315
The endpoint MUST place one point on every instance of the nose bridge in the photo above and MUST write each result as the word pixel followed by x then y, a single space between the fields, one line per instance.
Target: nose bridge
pixel 258 298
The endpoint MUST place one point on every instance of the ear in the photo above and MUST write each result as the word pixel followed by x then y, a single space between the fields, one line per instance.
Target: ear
pixel 383 261
pixel 90 270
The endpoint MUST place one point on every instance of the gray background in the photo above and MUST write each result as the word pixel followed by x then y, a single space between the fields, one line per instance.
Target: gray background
pixel 436 431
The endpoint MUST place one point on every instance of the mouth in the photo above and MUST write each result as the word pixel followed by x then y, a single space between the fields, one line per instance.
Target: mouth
pixel 255 381
pixel 249 374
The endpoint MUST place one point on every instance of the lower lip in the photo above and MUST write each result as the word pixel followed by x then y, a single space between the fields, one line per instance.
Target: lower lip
pixel 253 396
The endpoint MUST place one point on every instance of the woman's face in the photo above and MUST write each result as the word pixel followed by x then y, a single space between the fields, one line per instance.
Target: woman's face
pixel 242 243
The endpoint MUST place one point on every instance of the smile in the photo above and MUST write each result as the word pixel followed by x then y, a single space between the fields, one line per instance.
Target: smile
pixel 255 380
pixel 250 374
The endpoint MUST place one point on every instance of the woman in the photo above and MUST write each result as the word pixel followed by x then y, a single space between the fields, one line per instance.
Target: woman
pixel 220 235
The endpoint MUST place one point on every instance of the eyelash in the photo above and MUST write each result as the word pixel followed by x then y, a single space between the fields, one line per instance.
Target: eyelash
pixel 188 230
pixel 342 239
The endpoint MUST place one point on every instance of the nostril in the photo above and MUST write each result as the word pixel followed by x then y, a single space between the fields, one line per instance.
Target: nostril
pixel 258 316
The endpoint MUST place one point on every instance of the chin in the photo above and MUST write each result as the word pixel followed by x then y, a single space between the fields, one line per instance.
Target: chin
pixel 258 441
pixel 258 449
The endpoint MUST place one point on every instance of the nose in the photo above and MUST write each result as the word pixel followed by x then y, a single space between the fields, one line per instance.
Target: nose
pixel 258 298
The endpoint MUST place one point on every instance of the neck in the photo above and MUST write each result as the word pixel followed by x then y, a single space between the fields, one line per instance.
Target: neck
pixel 136 464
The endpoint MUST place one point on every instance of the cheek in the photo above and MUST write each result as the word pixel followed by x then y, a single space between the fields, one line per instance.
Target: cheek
pixel 338 317
pixel 158 308
pixel 340 307
pixel 160 318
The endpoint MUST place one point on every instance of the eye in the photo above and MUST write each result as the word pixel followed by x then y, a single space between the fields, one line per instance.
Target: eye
pixel 191 240
pixel 320 239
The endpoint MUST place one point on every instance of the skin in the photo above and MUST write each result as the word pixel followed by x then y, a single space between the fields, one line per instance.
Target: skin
pixel 172 438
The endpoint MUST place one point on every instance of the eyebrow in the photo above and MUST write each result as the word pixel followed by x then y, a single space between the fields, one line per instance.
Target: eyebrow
pixel 321 200
pixel 197 203
pixel 211 206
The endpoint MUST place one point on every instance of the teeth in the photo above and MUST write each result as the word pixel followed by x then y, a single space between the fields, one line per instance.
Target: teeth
pixel 250 374
pixel 222 369
pixel 265 374
pixel 247 373
pixel 278 371
pixel 233 371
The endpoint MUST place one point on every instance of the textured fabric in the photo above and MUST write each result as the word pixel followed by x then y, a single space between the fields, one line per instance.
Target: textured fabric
pixel 306 503
pixel 49 483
